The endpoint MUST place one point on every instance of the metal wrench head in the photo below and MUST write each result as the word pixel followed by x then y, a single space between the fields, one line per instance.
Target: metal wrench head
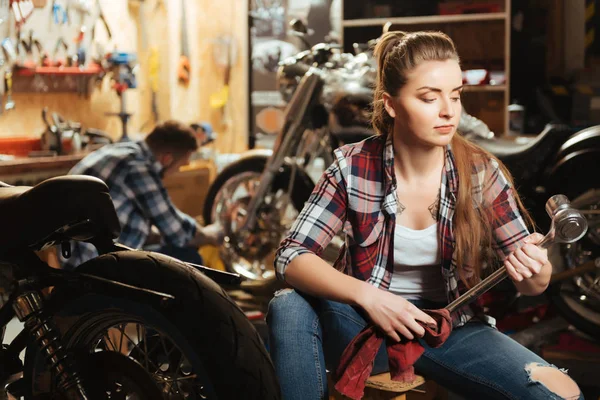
pixel 568 224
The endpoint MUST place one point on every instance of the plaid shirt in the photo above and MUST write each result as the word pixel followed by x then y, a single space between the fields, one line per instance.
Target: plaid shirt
pixel 140 198
pixel 357 194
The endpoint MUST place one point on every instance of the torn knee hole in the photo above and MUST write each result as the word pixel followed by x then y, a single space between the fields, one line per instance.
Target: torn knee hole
pixel 283 292
pixel 555 380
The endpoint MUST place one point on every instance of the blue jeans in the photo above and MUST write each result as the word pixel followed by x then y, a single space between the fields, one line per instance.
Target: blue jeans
pixel 308 335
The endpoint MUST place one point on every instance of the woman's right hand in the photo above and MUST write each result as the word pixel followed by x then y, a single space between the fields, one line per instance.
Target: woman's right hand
pixel 392 313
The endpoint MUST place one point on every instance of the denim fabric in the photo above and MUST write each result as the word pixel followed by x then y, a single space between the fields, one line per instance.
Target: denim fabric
pixel 308 336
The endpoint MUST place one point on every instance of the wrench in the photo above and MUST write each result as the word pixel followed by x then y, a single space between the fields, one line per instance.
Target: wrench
pixel 568 226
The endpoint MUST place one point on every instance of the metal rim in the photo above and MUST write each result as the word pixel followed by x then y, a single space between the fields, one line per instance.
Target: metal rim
pixel 275 218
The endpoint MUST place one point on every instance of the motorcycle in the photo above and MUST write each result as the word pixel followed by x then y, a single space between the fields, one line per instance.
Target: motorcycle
pixel 126 324
pixel 257 198
pixel 567 159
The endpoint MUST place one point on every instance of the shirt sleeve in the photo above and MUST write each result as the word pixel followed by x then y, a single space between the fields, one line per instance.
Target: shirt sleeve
pixel 319 221
pixel 176 227
pixel 508 226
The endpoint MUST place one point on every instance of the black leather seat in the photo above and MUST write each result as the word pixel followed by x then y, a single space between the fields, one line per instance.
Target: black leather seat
pixel 30 215
pixel 510 148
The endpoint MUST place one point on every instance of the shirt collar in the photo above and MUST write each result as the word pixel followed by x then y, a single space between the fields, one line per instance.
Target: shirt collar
pixel 147 153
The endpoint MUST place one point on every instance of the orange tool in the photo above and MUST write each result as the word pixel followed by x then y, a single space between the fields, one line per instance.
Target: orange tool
pixel 184 68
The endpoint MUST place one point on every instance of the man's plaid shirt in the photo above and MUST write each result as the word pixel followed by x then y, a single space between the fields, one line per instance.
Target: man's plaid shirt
pixel 132 175
pixel 357 193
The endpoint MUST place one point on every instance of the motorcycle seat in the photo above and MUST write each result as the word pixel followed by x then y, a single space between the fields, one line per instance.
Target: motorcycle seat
pixel 34 216
pixel 502 148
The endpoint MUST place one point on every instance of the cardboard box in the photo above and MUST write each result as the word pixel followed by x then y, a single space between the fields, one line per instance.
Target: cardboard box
pixel 188 187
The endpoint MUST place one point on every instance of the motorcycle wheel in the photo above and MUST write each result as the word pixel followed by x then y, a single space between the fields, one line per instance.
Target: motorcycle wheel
pixel 200 346
pixel 231 192
pixel 578 299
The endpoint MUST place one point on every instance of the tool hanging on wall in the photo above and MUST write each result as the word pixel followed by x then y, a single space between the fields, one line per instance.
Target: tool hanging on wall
pixel 102 19
pixel 184 69
pixel 224 55
pixel 153 68
pixel 10 104
pixel 22 10
pixel 60 13
pixel 83 9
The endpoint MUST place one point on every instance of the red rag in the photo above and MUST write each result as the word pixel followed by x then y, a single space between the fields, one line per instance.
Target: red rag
pixel 356 362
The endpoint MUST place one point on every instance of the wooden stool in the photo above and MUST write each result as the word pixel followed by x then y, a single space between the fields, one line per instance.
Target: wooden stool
pixel 382 387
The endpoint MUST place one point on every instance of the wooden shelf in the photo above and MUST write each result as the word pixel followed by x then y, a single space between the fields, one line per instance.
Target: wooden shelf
pixel 484 88
pixel 427 19
pixel 92 69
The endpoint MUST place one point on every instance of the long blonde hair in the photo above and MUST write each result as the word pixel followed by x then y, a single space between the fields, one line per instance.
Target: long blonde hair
pixel 398 53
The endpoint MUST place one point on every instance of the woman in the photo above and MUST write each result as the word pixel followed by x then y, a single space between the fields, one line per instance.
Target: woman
pixel 422 210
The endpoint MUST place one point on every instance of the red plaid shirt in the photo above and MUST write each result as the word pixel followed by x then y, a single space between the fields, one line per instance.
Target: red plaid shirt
pixel 357 194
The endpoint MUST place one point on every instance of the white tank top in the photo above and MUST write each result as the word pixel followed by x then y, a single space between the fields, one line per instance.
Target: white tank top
pixel 418 264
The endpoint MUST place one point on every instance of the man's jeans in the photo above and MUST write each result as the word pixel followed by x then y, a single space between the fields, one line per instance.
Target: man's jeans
pixel 308 336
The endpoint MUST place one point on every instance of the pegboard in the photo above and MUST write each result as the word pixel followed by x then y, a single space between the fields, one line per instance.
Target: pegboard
pixel 207 22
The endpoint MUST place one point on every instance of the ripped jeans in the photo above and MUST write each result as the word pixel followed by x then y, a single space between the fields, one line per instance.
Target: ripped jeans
pixel 308 335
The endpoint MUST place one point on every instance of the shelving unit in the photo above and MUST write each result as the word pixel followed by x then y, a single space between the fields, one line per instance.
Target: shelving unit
pixel 482 40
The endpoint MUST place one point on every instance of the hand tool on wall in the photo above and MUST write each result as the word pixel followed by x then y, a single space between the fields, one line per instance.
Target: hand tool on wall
pixel 60 44
pixel 83 8
pixel 184 68
pixel 25 49
pixel 224 54
pixel 153 68
pixel 10 104
pixel 22 9
pixel 102 19
pixel 60 14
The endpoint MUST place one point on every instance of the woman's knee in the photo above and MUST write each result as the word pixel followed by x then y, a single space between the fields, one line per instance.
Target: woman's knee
pixel 289 310
pixel 554 380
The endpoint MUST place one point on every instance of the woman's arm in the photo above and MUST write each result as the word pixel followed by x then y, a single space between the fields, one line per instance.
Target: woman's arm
pixel 527 264
pixel 393 314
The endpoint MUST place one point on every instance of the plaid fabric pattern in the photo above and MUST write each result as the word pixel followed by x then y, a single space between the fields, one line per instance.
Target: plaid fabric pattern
pixel 357 194
pixel 133 177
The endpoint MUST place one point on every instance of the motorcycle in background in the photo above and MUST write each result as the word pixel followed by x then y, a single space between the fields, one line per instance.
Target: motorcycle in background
pixel 565 159
pixel 258 197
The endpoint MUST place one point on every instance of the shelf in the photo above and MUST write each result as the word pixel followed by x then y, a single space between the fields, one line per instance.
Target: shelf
pixel 427 19
pixel 92 69
pixel 484 88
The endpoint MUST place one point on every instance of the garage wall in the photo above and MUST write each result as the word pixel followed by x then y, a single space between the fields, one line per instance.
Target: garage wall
pixel 207 22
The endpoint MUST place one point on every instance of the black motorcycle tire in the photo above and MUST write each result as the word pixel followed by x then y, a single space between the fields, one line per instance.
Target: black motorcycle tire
pixel 300 192
pixel 207 324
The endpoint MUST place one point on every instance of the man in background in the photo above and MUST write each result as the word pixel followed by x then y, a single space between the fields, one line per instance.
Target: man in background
pixel 134 172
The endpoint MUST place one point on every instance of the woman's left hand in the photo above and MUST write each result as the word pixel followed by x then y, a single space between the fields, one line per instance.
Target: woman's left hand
pixel 528 260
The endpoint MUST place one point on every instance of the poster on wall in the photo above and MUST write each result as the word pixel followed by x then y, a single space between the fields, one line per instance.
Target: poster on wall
pixel 272 41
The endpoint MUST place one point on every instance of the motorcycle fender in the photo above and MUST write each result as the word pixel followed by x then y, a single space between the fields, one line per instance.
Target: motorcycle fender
pixel 577 157
pixel 262 155
pixel 256 153
pixel 586 139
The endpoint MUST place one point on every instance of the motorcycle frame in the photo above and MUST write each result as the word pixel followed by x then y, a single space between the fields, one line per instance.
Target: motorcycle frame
pixel 288 140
